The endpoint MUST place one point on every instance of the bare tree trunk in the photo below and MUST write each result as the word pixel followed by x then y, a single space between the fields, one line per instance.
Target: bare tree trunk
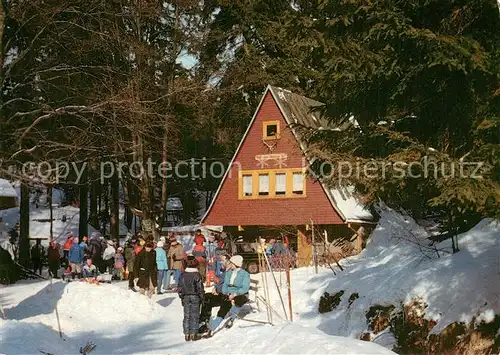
pixel 24 226
pixel 83 227
pixel 49 199
pixel 163 208
pixel 114 218
pixel 94 197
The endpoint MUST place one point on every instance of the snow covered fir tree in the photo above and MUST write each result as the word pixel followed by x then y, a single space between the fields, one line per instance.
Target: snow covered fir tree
pixel 250 176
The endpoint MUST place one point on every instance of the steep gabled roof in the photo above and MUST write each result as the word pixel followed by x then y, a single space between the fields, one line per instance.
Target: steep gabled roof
pixel 300 110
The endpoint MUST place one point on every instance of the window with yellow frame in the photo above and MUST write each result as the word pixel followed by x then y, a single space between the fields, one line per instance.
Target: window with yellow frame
pixel 271 183
pixel 271 129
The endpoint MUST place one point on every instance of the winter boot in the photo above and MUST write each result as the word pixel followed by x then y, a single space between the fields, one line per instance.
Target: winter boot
pixel 195 337
pixel 229 323
pixel 187 337
pixel 203 329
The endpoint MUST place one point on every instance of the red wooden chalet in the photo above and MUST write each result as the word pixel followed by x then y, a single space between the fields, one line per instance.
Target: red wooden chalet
pixel 266 191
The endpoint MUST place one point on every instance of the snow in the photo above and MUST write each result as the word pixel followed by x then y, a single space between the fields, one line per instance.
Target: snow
pixel 6 189
pixel 122 322
pixel 349 206
pixel 394 270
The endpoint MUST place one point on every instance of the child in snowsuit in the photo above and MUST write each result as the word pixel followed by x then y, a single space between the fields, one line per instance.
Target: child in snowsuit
pixel 89 270
pixel 119 264
pixel 191 292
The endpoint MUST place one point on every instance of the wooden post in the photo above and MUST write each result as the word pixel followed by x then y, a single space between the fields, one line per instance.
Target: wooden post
pixel 315 256
pixel 51 213
pixel 289 291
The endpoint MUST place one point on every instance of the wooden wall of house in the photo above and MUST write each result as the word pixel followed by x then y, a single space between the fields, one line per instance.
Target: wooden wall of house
pixel 304 248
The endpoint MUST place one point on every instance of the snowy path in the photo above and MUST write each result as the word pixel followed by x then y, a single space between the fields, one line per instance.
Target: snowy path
pixel 120 321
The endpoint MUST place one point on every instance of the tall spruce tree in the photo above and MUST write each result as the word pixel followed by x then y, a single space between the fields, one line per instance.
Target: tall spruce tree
pixel 421 79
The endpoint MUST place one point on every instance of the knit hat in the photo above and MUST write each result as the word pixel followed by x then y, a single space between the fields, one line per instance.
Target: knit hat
pixel 160 244
pixel 237 260
pixel 162 239
pixel 142 242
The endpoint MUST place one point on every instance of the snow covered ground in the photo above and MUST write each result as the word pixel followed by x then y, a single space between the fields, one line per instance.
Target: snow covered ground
pixel 119 321
pixel 393 269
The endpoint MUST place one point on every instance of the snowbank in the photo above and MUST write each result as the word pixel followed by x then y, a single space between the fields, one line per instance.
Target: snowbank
pixel 394 269
pixel 122 322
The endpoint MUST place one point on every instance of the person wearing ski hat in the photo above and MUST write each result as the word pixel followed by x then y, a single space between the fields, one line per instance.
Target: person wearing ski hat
pixel 176 256
pixel 162 266
pixel 191 292
pixel 109 256
pixel 235 288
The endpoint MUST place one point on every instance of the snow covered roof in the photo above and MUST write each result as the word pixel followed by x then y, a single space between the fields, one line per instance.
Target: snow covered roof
pixel 349 206
pixel 6 189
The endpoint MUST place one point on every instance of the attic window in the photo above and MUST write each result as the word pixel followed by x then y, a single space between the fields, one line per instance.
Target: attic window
pixel 271 130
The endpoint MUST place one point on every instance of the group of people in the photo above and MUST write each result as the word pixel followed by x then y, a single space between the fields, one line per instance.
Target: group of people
pixel 85 258
pixel 150 267
pixel 170 261
pixel 153 265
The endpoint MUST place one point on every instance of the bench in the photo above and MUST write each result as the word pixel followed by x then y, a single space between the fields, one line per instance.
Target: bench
pixel 254 287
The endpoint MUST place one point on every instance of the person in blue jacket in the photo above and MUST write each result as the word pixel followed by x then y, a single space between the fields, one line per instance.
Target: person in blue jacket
pixel 235 290
pixel 162 266
pixel 75 258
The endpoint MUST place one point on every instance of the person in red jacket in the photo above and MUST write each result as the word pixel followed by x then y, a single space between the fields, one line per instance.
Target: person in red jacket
pixel 199 238
pixel 67 246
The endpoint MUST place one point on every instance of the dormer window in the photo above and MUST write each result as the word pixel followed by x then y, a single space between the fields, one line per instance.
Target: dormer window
pixel 271 130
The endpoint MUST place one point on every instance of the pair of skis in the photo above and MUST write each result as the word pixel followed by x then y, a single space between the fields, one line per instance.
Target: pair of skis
pixel 225 325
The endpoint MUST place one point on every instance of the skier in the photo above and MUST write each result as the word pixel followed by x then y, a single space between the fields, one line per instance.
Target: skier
pixel 53 259
pixel 109 256
pixel 161 265
pixel 191 292
pixel 145 267
pixel 176 257
pixel 75 258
